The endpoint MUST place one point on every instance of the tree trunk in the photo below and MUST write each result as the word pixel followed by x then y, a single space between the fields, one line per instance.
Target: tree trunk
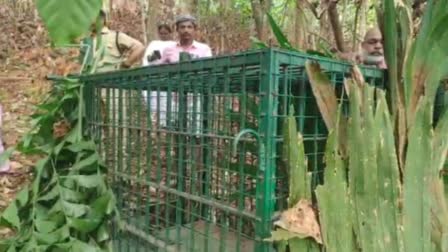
pixel 258 19
pixel 362 22
pixel 259 10
pixel 300 30
pixel 226 4
pixel 333 16
pixel 158 11
pixel 188 6
pixel 144 14
pixel 325 32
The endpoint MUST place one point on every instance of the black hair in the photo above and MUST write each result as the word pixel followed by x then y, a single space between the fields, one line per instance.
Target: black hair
pixel 164 26
pixel 193 22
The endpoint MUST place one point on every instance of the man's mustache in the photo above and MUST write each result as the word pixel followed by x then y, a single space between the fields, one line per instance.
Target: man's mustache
pixel 376 53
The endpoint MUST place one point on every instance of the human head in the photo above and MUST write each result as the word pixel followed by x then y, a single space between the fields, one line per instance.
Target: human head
pixel 186 28
pixel 372 47
pixel 164 31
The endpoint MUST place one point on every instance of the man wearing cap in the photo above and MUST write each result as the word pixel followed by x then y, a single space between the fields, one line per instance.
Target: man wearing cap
pixel 186 28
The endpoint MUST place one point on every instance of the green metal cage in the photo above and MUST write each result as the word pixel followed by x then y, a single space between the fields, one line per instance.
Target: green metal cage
pixel 167 133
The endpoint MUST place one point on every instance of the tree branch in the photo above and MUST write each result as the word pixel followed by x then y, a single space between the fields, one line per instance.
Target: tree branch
pixel 333 15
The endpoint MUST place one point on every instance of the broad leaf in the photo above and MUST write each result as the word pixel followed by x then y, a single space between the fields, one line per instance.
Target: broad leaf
pixel 104 205
pixel 324 93
pixel 281 37
pixel 295 160
pixel 81 246
pixel 12 248
pixel 87 181
pixel 71 195
pixel 283 235
pixel 68 20
pixel 56 236
pixel 45 226
pixel 416 205
pixel 11 215
pixel 23 196
pixel 258 43
pixel 84 225
pixel 85 163
pixel 85 145
pixel 50 195
pixel 74 210
pixel 102 233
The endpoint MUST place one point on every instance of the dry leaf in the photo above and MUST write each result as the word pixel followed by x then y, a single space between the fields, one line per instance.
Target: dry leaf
pixel 61 128
pixel 301 220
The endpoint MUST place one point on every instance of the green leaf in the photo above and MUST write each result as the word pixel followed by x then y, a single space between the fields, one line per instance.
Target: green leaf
pixel 11 215
pixel 85 163
pixel 84 225
pixel 56 208
pixel 294 157
pixel 67 246
pixel 84 247
pixel 103 233
pixel 298 244
pixel 45 226
pixel 59 147
pixel 74 136
pixel 416 205
pixel 58 218
pixel 332 195
pixel 71 195
pixel 68 20
pixel 87 181
pixel 12 248
pixel 390 53
pixel 258 43
pixel 324 93
pixel 50 195
pixel 40 166
pixel 6 155
pixel 283 235
pixel 23 196
pixel 74 210
pixel 281 37
pixel 56 236
pixel 82 146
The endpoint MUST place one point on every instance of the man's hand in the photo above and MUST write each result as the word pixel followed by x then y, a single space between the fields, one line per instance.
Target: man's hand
pixel 155 56
pixel 125 65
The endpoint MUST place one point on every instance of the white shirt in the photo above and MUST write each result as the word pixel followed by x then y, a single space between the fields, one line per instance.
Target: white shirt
pixel 156 45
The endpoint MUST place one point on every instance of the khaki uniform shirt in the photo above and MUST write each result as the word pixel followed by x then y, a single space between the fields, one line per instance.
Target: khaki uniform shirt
pixel 113 56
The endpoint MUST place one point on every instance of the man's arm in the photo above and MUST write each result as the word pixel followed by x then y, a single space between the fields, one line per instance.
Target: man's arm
pixel 134 48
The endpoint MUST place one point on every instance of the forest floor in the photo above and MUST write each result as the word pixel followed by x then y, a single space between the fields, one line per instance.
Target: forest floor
pixel 25 61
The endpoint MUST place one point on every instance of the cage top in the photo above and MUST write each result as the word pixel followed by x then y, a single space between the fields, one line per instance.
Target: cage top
pixel 264 58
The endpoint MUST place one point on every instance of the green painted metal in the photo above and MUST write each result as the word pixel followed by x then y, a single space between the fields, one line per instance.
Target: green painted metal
pixel 179 185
